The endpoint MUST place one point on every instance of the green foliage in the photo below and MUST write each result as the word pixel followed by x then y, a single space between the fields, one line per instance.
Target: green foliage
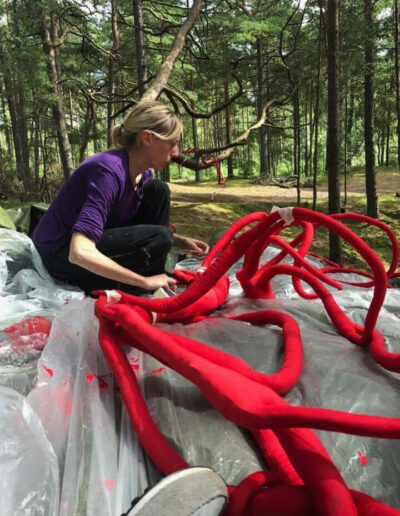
pixel 222 43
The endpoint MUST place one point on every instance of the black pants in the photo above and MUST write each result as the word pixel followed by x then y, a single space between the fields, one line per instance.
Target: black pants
pixel 142 246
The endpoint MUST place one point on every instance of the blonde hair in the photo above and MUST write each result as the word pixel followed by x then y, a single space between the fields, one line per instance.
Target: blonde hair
pixel 154 116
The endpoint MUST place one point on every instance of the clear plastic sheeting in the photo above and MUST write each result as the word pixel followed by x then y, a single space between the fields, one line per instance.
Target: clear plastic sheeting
pixel 26 290
pixel 68 448
pixel 89 431
pixel 200 434
pixel 29 479
pixel 336 374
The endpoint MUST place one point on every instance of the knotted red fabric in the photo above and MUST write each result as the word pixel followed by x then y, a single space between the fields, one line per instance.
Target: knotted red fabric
pixel 303 479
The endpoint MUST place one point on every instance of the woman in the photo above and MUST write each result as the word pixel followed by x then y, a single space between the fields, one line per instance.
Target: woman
pixel 109 225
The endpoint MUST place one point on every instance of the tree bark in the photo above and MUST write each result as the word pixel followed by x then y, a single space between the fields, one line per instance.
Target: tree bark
pixel 15 94
pixel 139 46
pixel 165 70
pixel 305 135
pixel 333 150
pixel 6 125
pixel 228 126
pixel 16 108
pixel 87 125
pixel 262 131
pixel 396 67
pixel 50 41
pixel 316 113
pixel 111 69
pixel 387 160
pixel 370 175
pixel 296 143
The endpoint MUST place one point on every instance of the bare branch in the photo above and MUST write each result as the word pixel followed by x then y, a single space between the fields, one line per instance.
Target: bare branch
pixel 171 93
pixel 158 17
pixel 226 151
pixel 61 39
pixel 166 68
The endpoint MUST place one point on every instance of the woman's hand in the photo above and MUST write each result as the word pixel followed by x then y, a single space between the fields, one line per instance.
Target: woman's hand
pixel 191 245
pixel 158 281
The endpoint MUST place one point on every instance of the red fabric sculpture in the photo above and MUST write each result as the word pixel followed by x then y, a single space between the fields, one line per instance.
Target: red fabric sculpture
pixel 303 480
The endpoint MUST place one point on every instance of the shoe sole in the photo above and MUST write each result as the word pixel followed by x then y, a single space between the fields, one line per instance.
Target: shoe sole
pixel 182 493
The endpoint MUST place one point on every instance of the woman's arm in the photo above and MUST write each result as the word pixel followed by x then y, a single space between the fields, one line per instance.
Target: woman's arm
pixel 84 253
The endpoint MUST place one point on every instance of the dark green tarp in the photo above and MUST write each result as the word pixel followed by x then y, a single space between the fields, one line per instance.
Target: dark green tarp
pixel 22 218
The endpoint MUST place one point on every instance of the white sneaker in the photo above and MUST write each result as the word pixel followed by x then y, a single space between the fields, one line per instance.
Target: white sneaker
pixel 189 492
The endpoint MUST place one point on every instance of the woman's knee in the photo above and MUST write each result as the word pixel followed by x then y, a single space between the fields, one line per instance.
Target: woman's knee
pixel 157 188
pixel 163 238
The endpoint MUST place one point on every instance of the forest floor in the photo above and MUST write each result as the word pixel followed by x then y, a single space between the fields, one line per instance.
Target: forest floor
pixel 204 209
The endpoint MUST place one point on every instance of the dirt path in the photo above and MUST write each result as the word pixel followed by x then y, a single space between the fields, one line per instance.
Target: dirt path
pixel 388 183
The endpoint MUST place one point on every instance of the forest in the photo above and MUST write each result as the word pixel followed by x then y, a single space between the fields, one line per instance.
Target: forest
pixel 271 91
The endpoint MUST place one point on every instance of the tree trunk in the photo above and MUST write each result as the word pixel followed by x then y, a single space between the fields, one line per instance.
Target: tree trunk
pixel 387 160
pixel 349 127
pixel 6 124
pixel 262 131
pixel 195 144
pixel 311 131
pixel 87 125
pixel 305 134
pixel 333 149
pixel 296 142
pixel 166 174
pixel 165 70
pixel 111 70
pixel 36 149
pixel 15 94
pixel 396 67
pixel 316 113
pixel 50 41
pixel 370 175
pixel 18 126
pixel 228 126
pixel 139 46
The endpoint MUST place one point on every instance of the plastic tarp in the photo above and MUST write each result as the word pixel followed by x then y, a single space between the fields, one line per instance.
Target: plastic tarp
pixel 26 290
pixel 96 449
pixel 67 446
pixel 25 217
pixel 83 433
pixel 5 220
pixel 336 374
pixel 29 479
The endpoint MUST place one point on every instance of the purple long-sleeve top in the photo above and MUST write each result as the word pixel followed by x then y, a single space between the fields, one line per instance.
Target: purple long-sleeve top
pixel 98 195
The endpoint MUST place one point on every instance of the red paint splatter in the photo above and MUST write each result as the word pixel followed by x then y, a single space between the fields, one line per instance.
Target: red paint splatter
pixel 49 371
pixel 109 483
pixel 158 371
pixel 134 363
pixel 64 402
pixel 362 458
pixel 90 377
